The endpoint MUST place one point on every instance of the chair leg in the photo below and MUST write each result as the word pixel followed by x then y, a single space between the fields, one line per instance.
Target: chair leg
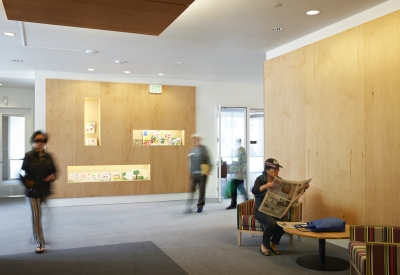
pixel 239 237
pixel 299 238
pixel 291 242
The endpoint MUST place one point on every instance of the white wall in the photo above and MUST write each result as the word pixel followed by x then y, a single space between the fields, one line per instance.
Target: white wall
pixel 17 97
pixel 208 95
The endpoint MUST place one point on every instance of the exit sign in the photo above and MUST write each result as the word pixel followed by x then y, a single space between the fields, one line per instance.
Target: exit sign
pixel 155 89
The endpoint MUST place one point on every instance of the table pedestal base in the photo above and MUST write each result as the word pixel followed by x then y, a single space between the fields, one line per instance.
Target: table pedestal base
pixel 329 264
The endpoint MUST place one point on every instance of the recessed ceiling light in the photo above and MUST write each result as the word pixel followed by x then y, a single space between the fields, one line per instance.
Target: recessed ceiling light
pixel 161 74
pixel 1 84
pixel 9 33
pixel 119 62
pixel 277 5
pixel 18 60
pixel 278 29
pixel 90 69
pixel 313 12
pixel 91 51
pixel 127 72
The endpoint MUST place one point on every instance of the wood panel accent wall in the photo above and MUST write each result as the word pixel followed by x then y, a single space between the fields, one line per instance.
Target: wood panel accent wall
pixel 333 114
pixel 123 108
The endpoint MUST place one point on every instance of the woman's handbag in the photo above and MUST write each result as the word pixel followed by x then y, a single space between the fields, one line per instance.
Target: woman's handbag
pixel 331 224
pixel 228 189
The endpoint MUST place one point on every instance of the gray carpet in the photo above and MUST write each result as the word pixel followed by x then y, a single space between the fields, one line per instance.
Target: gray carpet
pixel 132 258
pixel 200 244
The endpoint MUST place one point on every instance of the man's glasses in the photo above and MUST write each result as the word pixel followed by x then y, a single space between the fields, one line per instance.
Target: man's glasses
pixel 40 141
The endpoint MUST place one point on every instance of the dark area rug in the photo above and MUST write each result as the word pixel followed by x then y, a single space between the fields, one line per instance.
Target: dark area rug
pixel 130 258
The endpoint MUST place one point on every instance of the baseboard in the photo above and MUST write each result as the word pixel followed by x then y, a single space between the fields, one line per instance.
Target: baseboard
pixel 122 199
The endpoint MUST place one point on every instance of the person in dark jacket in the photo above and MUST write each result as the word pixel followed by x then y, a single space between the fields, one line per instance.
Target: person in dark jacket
pixel 40 171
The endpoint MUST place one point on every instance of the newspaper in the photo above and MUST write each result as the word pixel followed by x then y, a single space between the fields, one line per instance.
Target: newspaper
pixel 282 196
pixel 289 224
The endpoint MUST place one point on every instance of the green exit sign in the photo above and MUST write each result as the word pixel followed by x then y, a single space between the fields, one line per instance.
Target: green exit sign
pixel 155 89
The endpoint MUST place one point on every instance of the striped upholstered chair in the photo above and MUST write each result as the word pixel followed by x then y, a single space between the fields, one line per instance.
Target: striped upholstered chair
pixel 374 250
pixel 246 223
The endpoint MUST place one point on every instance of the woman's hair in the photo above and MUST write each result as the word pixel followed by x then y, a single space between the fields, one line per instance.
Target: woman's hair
pixel 36 134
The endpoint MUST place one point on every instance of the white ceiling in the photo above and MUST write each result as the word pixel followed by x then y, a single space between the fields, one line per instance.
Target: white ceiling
pixel 217 40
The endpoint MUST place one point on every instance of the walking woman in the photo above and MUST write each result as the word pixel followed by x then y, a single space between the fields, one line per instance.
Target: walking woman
pixel 39 171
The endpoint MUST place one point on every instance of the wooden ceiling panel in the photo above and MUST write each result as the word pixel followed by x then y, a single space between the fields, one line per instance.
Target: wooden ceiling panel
pixel 134 16
pixel 179 2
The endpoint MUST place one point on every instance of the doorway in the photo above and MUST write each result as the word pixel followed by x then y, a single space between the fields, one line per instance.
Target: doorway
pixel 233 127
pixel 239 123
pixel 16 125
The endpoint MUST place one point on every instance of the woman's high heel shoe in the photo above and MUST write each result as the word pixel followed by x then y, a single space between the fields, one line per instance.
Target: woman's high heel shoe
pixel 266 253
pixel 39 248
pixel 275 251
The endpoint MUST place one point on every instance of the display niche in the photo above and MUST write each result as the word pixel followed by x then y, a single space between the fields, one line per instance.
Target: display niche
pixel 158 137
pixel 92 122
pixel 100 173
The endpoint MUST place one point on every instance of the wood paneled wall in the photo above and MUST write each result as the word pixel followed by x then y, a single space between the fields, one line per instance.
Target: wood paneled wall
pixel 123 108
pixel 333 114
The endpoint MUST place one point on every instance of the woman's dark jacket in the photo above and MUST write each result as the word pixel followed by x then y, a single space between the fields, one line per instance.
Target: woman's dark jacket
pixel 259 196
pixel 37 168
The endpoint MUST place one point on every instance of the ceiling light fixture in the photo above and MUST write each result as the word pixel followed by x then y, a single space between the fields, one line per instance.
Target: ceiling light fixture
pixel 1 84
pixel 90 69
pixel 91 51
pixel 127 72
pixel 278 29
pixel 313 12
pixel 119 62
pixel 9 33
pixel 277 5
pixel 161 74
pixel 17 60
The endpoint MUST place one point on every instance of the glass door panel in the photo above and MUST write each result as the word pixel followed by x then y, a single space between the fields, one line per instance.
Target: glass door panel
pixel 16 142
pixel 256 152
pixel 232 127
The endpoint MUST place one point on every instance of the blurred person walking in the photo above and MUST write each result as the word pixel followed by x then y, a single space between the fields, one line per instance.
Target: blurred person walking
pixel 39 172
pixel 240 171
pixel 199 167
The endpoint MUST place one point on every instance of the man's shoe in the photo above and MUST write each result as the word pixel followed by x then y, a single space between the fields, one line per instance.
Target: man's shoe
pixel 231 207
pixel 199 210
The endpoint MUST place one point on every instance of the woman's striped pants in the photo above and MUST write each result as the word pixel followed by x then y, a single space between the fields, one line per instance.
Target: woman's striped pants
pixel 35 204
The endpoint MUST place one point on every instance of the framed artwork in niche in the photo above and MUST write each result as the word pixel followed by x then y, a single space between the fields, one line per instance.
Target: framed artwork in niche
pixel 90 128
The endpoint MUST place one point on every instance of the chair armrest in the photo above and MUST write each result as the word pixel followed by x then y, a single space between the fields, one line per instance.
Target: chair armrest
pixel 369 233
pixel 244 208
pixel 381 256
pixel 295 213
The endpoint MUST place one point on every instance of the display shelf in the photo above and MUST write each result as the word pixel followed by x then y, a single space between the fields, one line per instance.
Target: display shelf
pixel 101 173
pixel 158 137
pixel 92 121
